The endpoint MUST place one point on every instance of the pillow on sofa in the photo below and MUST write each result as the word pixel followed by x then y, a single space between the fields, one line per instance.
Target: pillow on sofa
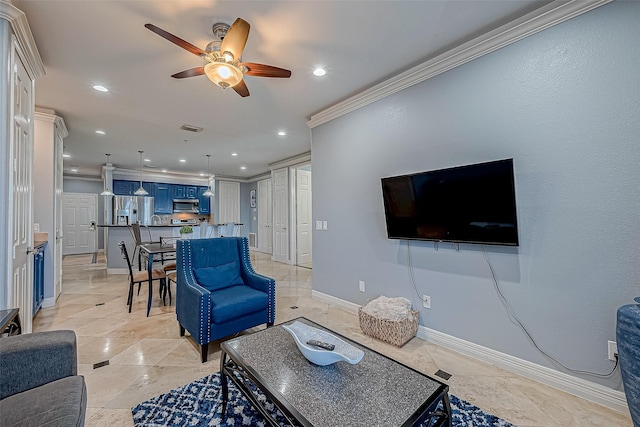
pixel 219 277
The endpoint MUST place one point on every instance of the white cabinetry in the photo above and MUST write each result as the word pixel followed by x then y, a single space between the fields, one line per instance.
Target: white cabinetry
pixel 47 188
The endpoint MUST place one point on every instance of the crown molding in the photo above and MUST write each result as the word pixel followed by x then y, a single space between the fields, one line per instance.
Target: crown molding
pixel 540 19
pixel 167 178
pixel 81 177
pixel 22 32
pixel 53 118
pixel 291 161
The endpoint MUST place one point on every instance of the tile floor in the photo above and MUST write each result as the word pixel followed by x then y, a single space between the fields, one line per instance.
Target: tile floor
pixel 147 356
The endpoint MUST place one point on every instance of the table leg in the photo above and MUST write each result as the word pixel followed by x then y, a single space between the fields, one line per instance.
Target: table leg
pixel 446 406
pixel 150 272
pixel 223 384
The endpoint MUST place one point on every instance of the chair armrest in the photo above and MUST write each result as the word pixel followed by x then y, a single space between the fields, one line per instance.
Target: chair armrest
pixel 193 306
pixel 31 360
pixel 257 281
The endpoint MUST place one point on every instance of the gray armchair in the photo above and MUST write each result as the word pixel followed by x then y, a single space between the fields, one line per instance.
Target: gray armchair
pixel 39 384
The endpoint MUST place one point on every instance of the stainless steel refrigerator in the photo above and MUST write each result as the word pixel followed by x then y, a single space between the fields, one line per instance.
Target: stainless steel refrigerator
pixel 131 210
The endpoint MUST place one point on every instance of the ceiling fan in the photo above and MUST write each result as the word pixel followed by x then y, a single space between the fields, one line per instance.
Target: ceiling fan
pixel 223 56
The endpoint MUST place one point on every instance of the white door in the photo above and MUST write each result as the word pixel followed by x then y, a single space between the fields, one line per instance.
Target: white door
pixel 21 140
pixel 280 215
pixel 303 218
pixel 229 199
pixel 79 213
pixel 265 206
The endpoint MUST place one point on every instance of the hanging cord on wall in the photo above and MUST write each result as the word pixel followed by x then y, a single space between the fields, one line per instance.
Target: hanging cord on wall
pixel 410 266
pixel 526 332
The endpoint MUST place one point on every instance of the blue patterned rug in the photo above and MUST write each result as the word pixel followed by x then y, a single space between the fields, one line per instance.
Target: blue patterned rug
pixel 197 404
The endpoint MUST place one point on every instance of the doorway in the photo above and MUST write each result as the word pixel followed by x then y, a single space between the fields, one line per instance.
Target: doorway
pixel 79 213
pixel 265 206
pixel 304 230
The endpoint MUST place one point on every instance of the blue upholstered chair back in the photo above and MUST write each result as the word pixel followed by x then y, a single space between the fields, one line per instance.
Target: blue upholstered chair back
pixel 194 303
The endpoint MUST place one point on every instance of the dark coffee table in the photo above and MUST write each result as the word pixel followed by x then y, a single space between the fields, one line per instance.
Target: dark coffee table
pixel 374 392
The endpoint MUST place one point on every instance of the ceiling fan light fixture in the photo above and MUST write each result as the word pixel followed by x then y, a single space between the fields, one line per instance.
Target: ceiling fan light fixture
pixel 223 74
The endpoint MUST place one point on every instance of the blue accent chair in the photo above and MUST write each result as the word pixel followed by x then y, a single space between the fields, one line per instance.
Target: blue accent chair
pixel 217 292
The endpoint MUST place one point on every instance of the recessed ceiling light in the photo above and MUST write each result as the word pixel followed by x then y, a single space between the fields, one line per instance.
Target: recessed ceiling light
pixel 183 161
pixel 147 160
pixel 100 88
pixel 234 154
pixel 203 174
pixel 282 133
pixel 319 72
pixel 101 132
pixel 74 170
pixel 243 167
pixel 66 156
pixel 164 170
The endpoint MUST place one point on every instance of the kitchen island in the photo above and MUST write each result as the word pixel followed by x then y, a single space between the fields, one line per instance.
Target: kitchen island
pixel 122 233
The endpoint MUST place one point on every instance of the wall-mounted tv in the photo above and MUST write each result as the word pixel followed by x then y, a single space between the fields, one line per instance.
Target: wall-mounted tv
pixel 465 204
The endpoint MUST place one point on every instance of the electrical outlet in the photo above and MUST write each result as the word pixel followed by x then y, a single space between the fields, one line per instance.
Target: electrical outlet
pixel 426 301
pixel 361 284
pixel 612 346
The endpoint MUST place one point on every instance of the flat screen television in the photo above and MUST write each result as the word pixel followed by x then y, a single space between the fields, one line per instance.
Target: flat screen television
pixel 465 204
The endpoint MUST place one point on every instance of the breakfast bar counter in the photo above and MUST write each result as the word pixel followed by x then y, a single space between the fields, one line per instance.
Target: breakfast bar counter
pixel 122 233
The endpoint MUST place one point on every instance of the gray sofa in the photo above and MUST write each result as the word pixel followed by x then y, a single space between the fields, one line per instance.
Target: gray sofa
pixel 39 384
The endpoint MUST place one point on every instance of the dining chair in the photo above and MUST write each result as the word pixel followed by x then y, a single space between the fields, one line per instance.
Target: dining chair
pixel 140 277
pixel 137 238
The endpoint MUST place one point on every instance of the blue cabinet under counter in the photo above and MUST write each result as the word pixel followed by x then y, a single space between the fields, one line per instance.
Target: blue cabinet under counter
pixel 38 277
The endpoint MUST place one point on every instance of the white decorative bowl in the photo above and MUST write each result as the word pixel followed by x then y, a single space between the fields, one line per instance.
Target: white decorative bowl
pixel 343 351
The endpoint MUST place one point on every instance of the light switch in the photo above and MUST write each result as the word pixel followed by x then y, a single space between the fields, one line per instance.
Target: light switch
pixel 324 225
pixel 318 225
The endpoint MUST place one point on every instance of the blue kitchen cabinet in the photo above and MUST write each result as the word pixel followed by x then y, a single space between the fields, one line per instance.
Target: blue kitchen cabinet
pixel 204 202
pixel 148 186
pixel 163 198
pixel 124 188
pixel 38 278
pixel 179 191
pixel 191 191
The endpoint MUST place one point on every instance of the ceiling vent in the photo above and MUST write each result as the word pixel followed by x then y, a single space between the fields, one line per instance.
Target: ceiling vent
pixel 190 128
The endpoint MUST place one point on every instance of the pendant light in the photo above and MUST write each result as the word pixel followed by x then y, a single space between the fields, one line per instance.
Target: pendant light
pixel 208 193
pixel 107 191
pixel 141 191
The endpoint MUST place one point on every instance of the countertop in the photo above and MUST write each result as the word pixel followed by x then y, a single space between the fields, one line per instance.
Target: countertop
pixel 39 243
pixel 165 225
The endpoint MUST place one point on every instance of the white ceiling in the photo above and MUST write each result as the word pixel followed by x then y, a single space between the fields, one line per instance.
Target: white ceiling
pixel 360 43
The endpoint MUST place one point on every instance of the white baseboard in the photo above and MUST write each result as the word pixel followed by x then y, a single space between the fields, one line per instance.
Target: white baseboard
pixel 588 390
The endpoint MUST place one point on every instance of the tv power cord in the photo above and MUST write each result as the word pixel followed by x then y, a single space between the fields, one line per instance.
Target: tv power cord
pixel 511 314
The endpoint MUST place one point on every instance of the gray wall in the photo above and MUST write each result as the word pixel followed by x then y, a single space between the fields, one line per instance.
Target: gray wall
pixel 247 213
pixel 70 185
pixel 564 104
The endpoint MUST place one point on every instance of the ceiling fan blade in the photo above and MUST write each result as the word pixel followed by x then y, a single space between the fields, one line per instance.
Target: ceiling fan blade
pixel 241 88
pixel 236 38
pixel 261 70
pixel 176 40
pixel 198 71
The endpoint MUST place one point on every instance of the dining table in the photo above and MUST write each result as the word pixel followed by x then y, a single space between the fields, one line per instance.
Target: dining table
pixel 151 251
